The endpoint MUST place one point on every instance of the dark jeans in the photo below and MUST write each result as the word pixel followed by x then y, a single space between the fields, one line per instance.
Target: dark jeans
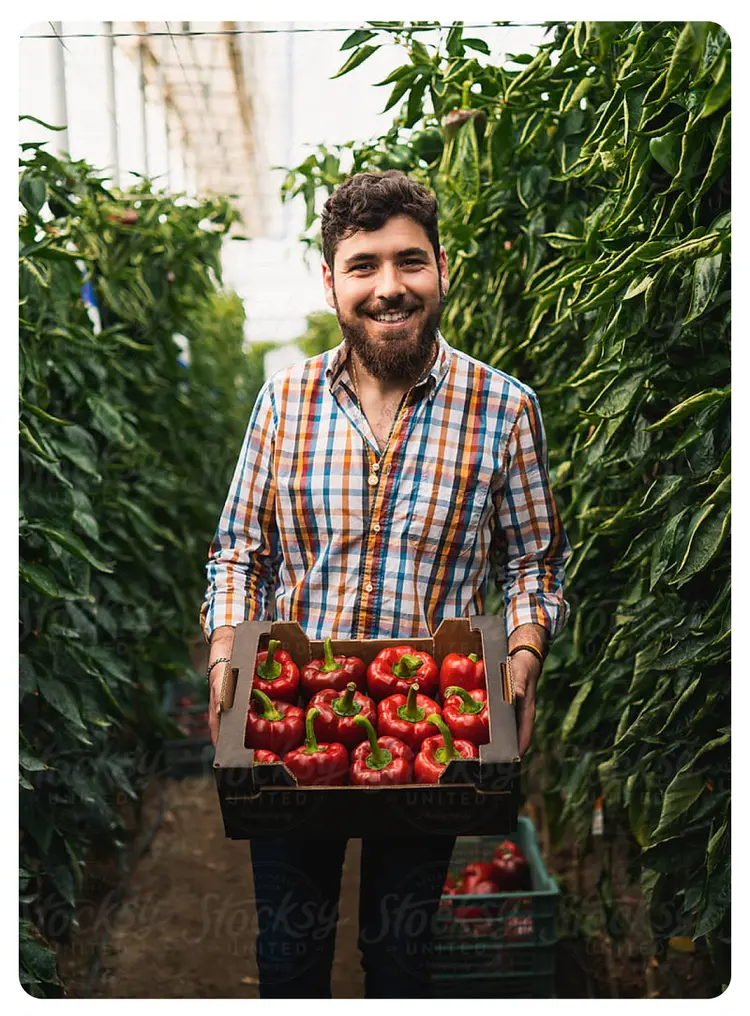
pixel 297 885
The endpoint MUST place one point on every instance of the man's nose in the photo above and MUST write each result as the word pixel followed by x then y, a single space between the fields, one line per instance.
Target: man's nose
pixel 389 284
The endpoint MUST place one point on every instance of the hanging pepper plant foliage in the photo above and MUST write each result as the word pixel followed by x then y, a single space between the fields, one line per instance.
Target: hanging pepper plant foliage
pixel 128 439
pixel 585 209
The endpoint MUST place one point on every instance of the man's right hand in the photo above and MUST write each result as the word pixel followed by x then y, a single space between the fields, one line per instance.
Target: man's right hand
pixel 222 640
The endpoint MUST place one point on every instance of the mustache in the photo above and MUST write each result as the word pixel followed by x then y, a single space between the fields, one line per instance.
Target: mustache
pixel 386 305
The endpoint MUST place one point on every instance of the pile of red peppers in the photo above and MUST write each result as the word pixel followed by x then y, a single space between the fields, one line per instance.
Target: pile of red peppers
pixel 471 898
pixel 402 719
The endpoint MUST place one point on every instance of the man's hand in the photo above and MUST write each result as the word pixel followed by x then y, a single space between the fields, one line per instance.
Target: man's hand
pixel 222 640
pixel 526 670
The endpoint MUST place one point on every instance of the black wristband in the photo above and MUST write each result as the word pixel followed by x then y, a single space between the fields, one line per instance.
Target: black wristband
pixel 531 648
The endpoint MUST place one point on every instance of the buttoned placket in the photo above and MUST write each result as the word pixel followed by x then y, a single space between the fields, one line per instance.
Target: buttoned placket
pixel 378 467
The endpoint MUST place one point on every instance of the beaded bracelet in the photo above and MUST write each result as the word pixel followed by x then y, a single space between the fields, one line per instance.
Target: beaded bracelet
pixel 222 659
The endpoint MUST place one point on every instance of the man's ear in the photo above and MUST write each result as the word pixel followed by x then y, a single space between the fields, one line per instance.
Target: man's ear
pixel 443 268
pixel 328 285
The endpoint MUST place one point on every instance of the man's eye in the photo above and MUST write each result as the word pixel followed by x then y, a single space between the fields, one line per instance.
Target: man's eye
pixel 413 261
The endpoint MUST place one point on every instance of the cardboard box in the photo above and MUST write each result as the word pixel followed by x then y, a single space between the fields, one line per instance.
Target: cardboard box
pixel 473 797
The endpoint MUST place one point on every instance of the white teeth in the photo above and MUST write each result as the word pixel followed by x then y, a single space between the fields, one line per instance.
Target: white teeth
pixel 391 316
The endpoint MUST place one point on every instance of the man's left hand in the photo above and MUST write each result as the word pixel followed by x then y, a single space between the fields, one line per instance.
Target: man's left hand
pixel 526 671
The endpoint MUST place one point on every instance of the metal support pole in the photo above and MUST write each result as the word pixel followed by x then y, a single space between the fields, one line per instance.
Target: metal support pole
pixel 109 73
pixel 60 99
pixel 165 106
pixel 144 128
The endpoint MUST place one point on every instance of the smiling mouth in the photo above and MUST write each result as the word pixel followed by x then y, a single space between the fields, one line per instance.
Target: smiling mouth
pixel 392 317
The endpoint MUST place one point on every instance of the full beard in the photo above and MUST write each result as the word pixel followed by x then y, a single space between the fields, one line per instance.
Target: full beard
pixel 395 358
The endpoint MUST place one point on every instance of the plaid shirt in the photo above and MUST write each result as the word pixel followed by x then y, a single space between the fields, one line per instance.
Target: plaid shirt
pixel 463 482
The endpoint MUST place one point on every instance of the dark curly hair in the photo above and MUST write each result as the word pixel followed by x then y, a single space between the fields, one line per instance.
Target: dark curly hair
pixel 367 200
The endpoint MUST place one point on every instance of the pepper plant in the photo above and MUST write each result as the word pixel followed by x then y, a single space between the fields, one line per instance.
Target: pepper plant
pixel 128 439
pixel 585 208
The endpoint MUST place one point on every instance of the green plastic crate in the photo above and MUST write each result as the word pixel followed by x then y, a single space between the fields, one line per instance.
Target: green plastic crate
pixel 508 949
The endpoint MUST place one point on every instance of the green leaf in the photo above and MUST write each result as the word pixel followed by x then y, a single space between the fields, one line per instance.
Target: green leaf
pixel 571 717
pixel 358 57
pixel 41 579
pixel 717 900
pixel 30 762
pixel 399 89
pixel 660 491
pixel 720 90
pixel 80 458
pixel 706 276
pixel 37 411
pixel 681 793
pixel 357 38
pixel 690 406
pixel 453 43
pixel 686 53
pixel 618 395
pixel 532 185
pixel 60 698
pixel 706 540
pixel 33 192
pixel 478 44
pixel 70 542
pixel 34 119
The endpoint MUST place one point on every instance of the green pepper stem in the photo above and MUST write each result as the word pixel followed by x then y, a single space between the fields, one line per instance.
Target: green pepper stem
pixel 330 661
pixel 267 708
pixel 346 705
pixel 379 757
pixel 311 743
pixel 448 752
pixel 473 657
pixel 407 666
pixel 269 669
pixel 469 705
pixel 410 711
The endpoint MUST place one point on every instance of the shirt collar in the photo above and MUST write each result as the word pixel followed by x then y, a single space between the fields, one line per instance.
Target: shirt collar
pixel 336 364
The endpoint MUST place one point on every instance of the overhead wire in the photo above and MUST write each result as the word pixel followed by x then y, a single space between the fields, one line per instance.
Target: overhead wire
pixel 280 31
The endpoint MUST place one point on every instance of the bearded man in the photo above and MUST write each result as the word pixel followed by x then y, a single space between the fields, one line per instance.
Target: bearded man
pixel 377 485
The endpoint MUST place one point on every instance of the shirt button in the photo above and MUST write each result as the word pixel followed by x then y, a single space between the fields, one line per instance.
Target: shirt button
pixel 368 587
pixel 376 527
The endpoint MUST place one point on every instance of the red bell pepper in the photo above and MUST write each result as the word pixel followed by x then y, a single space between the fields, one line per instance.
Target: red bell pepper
pixel 332 672
pixel 438 751
pixel 261 755
pixel 397 667
pixel 476 917
pixel 478 871
pixel 273 724
pixel 381 761
pixel 508 845
pixel 317 764
pixel 405 716
pixel 276 673
pixel 338 712
pixel 511 872
pixel 465 671
pixel 467 714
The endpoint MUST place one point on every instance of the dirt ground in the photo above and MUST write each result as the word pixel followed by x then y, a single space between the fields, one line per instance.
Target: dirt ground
pixel 185 929
pixel 184 926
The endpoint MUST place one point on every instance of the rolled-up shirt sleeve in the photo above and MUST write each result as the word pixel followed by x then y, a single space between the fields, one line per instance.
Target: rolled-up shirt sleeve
pixel 531 536
pixel 245 550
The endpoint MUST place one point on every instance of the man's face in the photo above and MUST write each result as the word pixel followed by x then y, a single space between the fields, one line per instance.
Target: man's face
pixel 387 292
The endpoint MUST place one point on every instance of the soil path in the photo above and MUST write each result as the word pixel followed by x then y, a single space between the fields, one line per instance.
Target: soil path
pixel 187 926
